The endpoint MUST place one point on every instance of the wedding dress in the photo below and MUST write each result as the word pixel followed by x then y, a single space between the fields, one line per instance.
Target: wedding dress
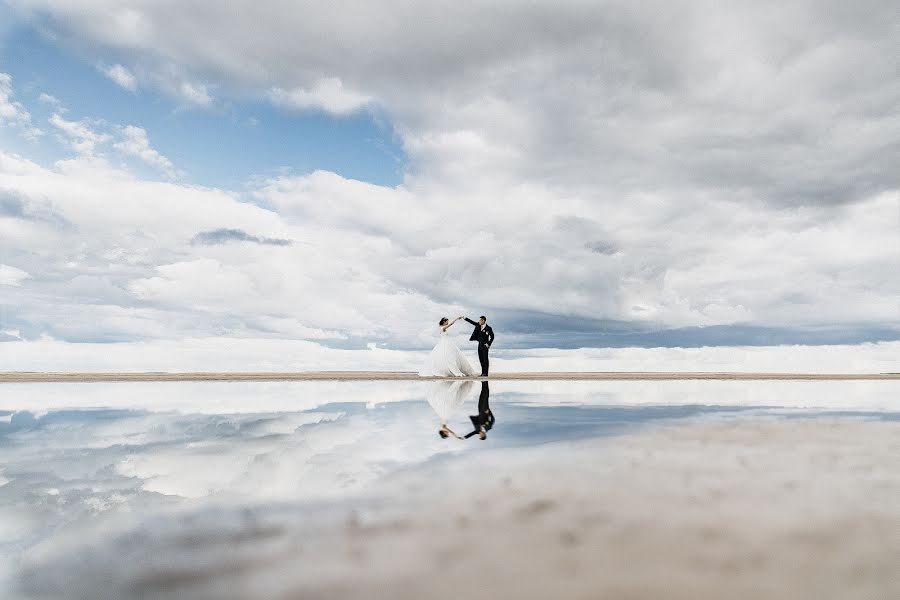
pixel 446 360
pixel 445 397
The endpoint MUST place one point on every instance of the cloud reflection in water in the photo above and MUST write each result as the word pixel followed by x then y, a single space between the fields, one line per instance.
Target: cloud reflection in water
pixel 74 469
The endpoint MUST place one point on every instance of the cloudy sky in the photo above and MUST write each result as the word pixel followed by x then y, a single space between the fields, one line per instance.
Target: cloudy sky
pixel 346 173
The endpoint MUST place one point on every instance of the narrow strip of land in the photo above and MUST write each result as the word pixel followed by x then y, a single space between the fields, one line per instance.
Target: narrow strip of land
pixel 44 377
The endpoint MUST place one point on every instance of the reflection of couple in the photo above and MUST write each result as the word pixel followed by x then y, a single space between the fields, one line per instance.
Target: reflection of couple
pixel 446 360
pixel 445 397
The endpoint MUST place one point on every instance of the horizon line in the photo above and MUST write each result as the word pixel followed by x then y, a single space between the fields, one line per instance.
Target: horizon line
pixel 165 376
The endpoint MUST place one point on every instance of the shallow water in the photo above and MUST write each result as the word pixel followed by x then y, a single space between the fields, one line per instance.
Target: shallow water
pixel 78 458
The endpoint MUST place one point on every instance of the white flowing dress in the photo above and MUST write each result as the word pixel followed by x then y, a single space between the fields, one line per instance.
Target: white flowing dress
pixel 446 397
pixel 446 360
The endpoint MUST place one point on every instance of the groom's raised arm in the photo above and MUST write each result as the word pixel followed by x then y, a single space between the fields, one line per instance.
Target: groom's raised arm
pixel 470 321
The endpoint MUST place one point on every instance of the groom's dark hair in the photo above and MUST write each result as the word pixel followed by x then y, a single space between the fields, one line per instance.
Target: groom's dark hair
pixel 443 320
pixel 483 317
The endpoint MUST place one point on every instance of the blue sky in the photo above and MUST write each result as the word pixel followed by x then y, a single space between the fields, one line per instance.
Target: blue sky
pixel 587 176
pixel 242 138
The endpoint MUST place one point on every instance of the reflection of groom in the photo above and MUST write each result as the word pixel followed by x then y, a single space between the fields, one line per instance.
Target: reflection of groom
pixel 484 335
pixel 484 420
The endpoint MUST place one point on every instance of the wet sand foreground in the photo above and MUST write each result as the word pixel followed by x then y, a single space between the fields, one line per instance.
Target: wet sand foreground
pixel 758 507
pixel 46 377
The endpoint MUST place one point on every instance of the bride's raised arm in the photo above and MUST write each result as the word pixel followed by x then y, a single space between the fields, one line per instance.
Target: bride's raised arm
pixel 447 326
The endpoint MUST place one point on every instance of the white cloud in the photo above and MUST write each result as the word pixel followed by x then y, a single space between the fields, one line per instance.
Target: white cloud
pixel 386 263
pixel 135 142
pixel 52 101
pixel 597 100
pixel 195 93
pixel 653 164
pixel 590 97
pixel 121 76
pixel 124 267
pixel 328 94
pixel 82 137
pixel 12 275
pixel 525 248
pixel 13 164
pixel 12 113
pixel 198 283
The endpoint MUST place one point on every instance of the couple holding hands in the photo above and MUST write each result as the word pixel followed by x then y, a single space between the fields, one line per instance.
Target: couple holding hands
pixel 446 360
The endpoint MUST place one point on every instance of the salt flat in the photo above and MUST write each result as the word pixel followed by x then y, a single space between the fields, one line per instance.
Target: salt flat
pixel 342 489
pixel 48 377
pixel 749 508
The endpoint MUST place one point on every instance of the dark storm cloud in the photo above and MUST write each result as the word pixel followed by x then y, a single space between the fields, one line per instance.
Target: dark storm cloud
pixel 224 236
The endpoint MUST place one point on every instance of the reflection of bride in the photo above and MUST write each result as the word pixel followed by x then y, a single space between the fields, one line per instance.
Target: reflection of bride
pixel 445 359
pixel 445 397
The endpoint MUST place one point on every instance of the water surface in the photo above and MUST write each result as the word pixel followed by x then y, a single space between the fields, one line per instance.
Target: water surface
pixel 77 458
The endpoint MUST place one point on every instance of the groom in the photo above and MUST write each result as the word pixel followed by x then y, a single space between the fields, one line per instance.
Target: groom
pixel 484 420
pixel 484 335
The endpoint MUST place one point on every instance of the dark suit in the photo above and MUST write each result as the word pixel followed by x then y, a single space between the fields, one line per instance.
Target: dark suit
pixel 484 337
pixel 485 417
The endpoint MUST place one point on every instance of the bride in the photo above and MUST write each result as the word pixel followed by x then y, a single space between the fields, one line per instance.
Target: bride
pixel 445 359
pixel 446 397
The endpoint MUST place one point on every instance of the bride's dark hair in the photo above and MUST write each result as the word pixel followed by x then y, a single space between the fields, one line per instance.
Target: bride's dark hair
pixel 443 320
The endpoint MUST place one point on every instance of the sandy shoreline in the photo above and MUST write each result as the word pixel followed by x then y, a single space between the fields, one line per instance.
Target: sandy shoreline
pixel 51 377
